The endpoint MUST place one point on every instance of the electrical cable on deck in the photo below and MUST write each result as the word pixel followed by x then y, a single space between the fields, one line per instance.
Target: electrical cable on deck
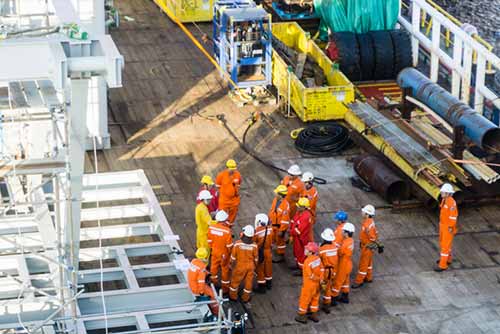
pixel 323 139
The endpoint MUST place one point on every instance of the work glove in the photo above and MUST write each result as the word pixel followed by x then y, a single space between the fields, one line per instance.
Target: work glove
pixel 372 246
pixel 380 248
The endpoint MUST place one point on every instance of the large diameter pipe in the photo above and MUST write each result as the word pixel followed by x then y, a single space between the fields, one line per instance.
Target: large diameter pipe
pixel 479 129
pixel 382 179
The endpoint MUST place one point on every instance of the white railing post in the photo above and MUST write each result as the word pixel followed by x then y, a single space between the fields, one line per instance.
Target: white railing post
pixel 415 22
pixel 436 36
pixel 457 61
pixel 480 74
pixel 467 70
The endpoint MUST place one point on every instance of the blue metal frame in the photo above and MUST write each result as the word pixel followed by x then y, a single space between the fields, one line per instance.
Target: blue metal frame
pixel 227 13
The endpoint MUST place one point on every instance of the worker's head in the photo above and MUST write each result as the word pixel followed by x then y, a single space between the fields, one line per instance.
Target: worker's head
pixel 368 211
pixel 281 191
pixel 311 248
pixel 308 178
pixel 202 254
pixel 340 217
pixel 205 196
pixel 261 219
pixel 231 165
pixel 348 230
pixel 221 216
pixel 207 182
pixel 303 204
pixel 294 172
pixel 247 234
pixel 447 190
pixel 327 235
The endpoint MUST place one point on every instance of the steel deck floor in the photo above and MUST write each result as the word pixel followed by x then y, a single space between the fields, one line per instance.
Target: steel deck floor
pixel 162 121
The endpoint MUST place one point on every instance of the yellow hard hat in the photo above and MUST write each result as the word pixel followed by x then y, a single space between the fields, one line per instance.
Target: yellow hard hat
pixel 281 189
pixel 202 253
pixel 207 180
pixel 303 202
pixel 231 164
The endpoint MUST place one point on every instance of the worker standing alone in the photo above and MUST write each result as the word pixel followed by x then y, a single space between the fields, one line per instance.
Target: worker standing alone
pixel 208 184
pixel 329 258
pixel 279 217
pixel 301 231
pixel 244 258
pixel 221 242
pixel 310 193
pixel 228 182
pixel 341 283
pixel 264 240
pixel 312 278
pixel 368 242
pixel 197 275
pixel 295 187
pixel 448 216
pixel 203 219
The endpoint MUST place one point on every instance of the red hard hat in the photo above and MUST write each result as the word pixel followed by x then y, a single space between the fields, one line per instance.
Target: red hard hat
pixel 312 247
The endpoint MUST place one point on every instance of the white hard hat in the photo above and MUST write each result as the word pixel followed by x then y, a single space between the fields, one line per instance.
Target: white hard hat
pixel 328 235
pixel 248 231
pixel 307 177
pixel 369 210
pixel 447 188
pixel 294 170
pixel 348 227
pixel 221 216
pixel 204 195
pixel 261 219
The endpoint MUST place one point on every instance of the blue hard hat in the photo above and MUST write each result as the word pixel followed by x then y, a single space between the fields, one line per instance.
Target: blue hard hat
pixel 340 216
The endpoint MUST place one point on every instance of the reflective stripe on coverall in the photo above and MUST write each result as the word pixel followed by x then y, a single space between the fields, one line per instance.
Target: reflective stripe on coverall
pixel 447 230
pixel 203 220
pixel 243 258
pixel 312 195
pixel 264 268
pixel 295 188
pixel 280 221
pixel 197 274
pixel 301 231
pixel 341 282
pixel 329 258
pixel 311 278
pixel 220 242
pixel 367 235
pixel 229 192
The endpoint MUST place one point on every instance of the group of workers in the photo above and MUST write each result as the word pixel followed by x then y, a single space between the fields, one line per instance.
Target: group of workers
pixel 325 268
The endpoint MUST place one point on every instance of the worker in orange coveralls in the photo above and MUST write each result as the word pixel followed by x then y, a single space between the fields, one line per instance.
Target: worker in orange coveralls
pixel 264 240
pixel 197 275
pixel 311 280
pixel 294 185
pixel 301 232
pixel 279 217
pixel 340 218
pixel 329 258
pixel 220 241
pixel 448 216
pixel 228 182
pixel 244 258
pixel 341 283
pixel 208 184
pixel 310 193
pixel 368 242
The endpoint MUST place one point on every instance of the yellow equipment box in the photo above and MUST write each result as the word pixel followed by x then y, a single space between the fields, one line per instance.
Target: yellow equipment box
pixel 188 10
pixel 316 103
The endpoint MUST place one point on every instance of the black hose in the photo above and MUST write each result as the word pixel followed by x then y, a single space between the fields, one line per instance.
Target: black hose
pixel 323 139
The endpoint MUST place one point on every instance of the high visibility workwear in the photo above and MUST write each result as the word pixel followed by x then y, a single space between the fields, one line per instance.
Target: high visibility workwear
pixel 301 232
pixel 197 274
pixel 220 242
pixel 329 259
pixel 243 258
pixel 214 202
pixel 229 183
pixel 295 188
pixel 312 195
pixel 203 220
pixel 339 234
pixel 447 229
pixel 367 235
pixel 280 221
pixel 312 274
pixel 341 282
pixel 264 242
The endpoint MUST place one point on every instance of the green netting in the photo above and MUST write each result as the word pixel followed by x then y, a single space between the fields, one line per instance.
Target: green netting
pixel 357 16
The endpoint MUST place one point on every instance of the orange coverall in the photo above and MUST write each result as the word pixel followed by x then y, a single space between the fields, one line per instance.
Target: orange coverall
pixel 301 231
pixel 447 230
pixel 339 234
pixel 341 282
pixel 311 277
pixel 312 195
pixel 329 259
pixel 367 235
pixel 197 274
pixel 279 217
pixel 295 188
pixel 220 242
pixel 244 257
pixel 229 192
pixel 264 268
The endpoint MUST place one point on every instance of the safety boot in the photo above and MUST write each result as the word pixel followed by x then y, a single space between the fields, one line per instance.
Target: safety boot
pixel 326 308
pixel 314 316
pixel 439 269
pixel 302 318
pixel 356 285
pixel 261 288
pixel 344 298
pixel 269 284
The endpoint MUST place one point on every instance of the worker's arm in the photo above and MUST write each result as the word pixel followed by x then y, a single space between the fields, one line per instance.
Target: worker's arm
pixel 233 255
pixel 452 215
pixel 284 220
pixel 372 233
pixel 200 282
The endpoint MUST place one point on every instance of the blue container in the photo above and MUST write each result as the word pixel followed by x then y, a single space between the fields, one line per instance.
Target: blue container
pixel 478 129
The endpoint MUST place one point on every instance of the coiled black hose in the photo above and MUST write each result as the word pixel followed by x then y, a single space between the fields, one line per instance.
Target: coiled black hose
pixel 323 139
